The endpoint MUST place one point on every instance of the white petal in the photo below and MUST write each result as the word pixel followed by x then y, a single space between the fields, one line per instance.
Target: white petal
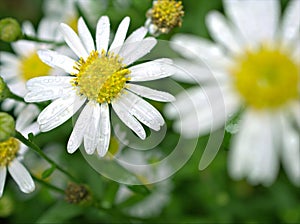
pixel 80 128
pixel 23 47
pixel 137 50
pixel 222 32
pixel 28 28
pixel 73 41
pixel 31 128
pixel 291 21
pixel 57 60
pixel 85 35
pixel 105 131
pixel 193 47
pixel 253 154
pixel 48 88
pixel 48 81
pixel 257 20
pixel 142 110
pixel 120 36
pixel 128 119
pixel 136 36
pixel 59 111
pixel 21 176
pixel 152 70
pixel 194 72
pixel 150 93
pixel 202 111
pixel 92 134
pixel 2 179
pixel 48 29
pixel 19 106
pixel 26 116
pixel 8 58
pixel 102 33
pixel 8 104
pixel 291 151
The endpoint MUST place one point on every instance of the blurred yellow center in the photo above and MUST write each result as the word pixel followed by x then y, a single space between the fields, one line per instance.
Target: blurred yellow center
pixel 31 67
pixel 267 78
pixel 100 77
pixel 72 22
pixel 8 151
pixel 166 14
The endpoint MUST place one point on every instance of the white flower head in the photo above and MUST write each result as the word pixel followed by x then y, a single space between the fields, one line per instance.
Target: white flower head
pixel 11 154
pixel 253 65
pixel 18 68
pixel 66 10
pixel 151 205
pixel 100 78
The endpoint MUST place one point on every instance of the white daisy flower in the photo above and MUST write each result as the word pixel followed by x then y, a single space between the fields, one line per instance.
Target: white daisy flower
pixel 11 154
pixel 17 68
pixel 92 9
pixel 255 62
pixel 99 78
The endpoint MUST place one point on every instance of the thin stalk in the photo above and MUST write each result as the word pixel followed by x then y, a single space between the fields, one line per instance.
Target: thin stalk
pixel 39 40
pixel 36 148
pixel 50 186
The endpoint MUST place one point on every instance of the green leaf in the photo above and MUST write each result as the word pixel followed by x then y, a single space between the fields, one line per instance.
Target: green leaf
pixel 110 194
pixel 60 213
pixel 139 189
pixel 48 172
pixel 31 137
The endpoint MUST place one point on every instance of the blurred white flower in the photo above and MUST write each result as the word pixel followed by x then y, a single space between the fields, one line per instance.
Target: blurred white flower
pixel 253 65
pixel 25 64
pixel 11 154
pixel 100 77
pixel 66 11
pixel 150 205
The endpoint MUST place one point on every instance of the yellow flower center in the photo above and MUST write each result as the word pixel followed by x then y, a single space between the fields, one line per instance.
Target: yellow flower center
pixel 100 77
pixel 166 14
pixel 267 78
pixel 32 67
pixel 8 151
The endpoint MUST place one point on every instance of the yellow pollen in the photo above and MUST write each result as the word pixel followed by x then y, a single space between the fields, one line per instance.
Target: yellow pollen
pixel 100 77
pixel 166 14
pixel 31 67
pixel 8 151
pixel 267 78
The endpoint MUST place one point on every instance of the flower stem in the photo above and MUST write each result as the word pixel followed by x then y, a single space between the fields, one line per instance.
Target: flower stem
pixel 11 95
pixel 52 187
pixel 16 97
pixel 36 39
pixel 36 148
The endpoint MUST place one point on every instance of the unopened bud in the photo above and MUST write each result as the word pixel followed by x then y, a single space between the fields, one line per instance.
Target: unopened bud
pixel 7 126
pixel 10 30
pixel 4 90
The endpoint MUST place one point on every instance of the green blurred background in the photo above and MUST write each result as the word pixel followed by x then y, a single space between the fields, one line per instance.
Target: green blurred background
pixel 208 196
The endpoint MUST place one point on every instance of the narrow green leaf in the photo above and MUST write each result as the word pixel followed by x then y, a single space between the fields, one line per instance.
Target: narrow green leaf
pixel 48 172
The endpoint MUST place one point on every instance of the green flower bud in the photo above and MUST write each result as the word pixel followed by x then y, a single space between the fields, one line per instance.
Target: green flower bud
pixel 10 30
pixel 7 126
pixel 4 90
